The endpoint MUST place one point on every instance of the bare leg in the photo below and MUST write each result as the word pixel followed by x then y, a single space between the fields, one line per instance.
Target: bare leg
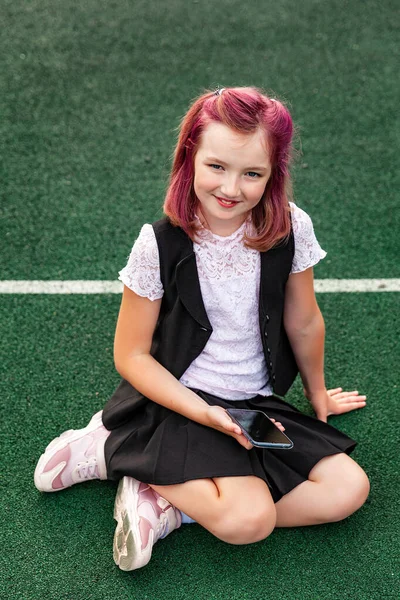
pixel 336 487
pixel 238 510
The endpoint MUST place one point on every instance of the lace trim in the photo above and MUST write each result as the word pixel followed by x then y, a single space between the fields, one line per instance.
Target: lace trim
pixel 142 273
pixel 308 252
pixel 217 257
pixel 206 234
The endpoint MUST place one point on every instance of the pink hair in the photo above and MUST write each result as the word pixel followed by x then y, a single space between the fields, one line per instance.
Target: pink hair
pixel 243 109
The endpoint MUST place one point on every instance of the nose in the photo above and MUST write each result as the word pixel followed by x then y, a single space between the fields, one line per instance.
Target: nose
pixel 230 187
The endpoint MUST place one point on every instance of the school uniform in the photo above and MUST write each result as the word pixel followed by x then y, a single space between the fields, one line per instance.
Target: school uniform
pixel 220 332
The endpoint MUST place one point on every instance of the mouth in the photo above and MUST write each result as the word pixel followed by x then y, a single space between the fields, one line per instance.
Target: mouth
pixel 226 203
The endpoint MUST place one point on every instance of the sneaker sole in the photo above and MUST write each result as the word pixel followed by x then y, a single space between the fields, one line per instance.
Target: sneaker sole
pixel 58 444
pixel 127 545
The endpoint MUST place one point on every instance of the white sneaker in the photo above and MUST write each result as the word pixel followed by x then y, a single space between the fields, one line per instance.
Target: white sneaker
pixel 73 457
pixel 143 517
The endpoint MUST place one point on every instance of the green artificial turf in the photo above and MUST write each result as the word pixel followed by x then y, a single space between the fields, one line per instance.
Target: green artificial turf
pixel 57 370
pixel 91 93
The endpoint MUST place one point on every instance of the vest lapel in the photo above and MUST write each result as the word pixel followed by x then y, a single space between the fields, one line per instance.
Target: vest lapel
pixel 275 268
pixel 188 286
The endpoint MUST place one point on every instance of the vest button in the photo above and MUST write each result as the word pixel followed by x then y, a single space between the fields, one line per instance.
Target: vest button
pixel 270 364
pixel 267 318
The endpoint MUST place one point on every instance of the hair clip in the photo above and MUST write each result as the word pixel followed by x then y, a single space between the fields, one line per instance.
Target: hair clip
pixel 219 92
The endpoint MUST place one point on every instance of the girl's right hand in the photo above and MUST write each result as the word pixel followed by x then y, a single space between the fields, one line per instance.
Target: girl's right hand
pixel 220 420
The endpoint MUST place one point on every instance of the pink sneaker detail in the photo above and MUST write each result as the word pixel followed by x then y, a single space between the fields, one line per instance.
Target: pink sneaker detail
pixel 145 527
pixel 59 461
pixel 143 517
pixel 75 456
pixel 149 512
pixel 147 496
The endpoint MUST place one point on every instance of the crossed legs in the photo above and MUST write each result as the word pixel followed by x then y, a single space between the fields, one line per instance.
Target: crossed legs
pixel 240 510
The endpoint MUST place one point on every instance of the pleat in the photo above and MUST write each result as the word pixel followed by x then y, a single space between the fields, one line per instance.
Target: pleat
pixel 161 447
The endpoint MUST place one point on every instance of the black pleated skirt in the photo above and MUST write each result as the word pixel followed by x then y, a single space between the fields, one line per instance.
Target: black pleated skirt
pixel 161 447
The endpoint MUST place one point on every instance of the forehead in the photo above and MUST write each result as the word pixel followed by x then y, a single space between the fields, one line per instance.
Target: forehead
pixel 225 143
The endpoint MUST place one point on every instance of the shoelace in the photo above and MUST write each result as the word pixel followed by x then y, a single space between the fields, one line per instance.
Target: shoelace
pixel 87 470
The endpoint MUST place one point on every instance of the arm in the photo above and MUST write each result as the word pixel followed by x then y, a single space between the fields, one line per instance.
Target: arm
pixel 135 328
pixel 305 328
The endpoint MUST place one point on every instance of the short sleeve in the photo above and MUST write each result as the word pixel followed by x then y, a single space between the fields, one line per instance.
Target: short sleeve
pixel 142 273
pixel 307 251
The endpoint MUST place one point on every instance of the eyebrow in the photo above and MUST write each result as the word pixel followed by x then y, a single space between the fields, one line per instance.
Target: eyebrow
pixel 217 160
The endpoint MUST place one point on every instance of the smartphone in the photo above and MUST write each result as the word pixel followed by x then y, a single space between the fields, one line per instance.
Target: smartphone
pixel 259 429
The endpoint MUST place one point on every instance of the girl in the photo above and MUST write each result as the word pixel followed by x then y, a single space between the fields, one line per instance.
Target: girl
pixel 218 310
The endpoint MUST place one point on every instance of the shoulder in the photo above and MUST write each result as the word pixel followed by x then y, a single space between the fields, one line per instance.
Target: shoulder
pixel 172 242
pixel 161 225
pixel 146 232
pixel 308 252
pixel 142 272
pixel 144 250
pixel 145 244
pixel 159 235
pixel 163 228
pixel 300 219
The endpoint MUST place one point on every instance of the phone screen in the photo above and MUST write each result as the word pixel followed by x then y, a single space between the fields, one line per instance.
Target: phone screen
pixel 259 428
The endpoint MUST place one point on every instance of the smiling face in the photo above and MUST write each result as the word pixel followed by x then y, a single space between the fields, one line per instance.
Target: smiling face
pixel 231 171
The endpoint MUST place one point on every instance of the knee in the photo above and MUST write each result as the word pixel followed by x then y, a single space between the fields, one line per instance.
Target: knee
pixel 247 527
pixel 350 496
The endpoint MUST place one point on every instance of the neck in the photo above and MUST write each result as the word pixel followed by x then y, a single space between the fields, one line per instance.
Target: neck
pixel 222 228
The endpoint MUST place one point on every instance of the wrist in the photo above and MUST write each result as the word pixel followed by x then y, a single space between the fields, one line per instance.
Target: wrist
pixel 201 412
pixel 314 391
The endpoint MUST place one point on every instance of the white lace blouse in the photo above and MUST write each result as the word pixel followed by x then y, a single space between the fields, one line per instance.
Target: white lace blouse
pixel 232 364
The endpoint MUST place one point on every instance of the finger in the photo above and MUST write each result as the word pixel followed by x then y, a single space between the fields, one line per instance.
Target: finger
pixel 322 417
pixel 243 441
pixel 346 395
pixel 278 424
pixel 356 399
pixel 231 426
pixel 345 408
pixel 334 391
pixel 235 429
pixel 342 394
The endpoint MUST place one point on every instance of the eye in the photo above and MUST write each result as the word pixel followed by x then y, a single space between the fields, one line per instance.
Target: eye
pixel 216 167
pixel 253 174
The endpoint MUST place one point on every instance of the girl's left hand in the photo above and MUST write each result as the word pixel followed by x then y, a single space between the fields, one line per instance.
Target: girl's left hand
pixel 334 402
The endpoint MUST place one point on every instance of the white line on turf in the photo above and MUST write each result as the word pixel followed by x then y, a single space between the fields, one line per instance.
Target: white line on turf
pixel 357 285
pixel 61 287
pixel 115 287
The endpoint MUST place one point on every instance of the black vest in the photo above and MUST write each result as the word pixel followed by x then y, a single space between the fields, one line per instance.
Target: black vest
pixel 183 328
